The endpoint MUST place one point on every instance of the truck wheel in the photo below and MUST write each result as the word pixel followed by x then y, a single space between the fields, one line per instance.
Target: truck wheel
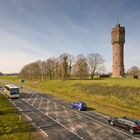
pixel 112 123
pixel 131 131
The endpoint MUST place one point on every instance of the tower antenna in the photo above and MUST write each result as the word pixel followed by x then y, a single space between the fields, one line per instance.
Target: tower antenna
pixel 117 19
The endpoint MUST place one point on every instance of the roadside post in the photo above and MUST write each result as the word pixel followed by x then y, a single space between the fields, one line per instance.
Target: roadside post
pixel 20 117
pixel 21 83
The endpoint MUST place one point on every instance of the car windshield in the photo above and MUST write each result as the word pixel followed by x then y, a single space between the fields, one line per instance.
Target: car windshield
pixel 133 120
pixel 138 123
pixel 14 91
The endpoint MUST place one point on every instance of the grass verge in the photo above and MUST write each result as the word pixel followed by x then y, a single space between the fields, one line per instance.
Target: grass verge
pixel 11 125
pixel 110 96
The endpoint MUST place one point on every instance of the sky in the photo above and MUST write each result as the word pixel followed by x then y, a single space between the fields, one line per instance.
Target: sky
pixel 33 30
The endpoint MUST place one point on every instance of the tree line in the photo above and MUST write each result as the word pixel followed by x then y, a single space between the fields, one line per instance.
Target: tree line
pixel 134 70
pixel 65 67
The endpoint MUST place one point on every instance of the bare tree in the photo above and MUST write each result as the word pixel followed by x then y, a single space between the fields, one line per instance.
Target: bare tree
pixel 65 61
pixel 62 67
pixel 43 68
pixel 81 68
pixel 58 73
pixel 134 70
pixel 51 68
pixel 32 71
pixel 95 62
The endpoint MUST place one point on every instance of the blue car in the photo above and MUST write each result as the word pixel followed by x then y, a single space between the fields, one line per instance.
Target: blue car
pixel 79 105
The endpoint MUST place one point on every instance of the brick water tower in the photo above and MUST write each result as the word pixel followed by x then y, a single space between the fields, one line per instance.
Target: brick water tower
pixel 118 40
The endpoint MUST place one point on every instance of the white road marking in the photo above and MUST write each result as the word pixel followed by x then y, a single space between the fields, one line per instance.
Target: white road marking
pixel 29 98
pixel 25 95
pixel 27 117
pixel 19 109
pixel 84 127
pixel 57 122
pixel 69 121
pixel 34 100
pixel 86 117
pixel 56 114
pixel 44 132
pixel 47 108
pixel 12 102
pixel 39 106
pixel 97 121
pixel 91 134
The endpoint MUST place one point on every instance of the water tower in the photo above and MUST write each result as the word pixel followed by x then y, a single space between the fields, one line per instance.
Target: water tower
pixel 118 40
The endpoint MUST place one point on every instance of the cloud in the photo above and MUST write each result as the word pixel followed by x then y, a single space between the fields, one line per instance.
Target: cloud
pixel 31 30
pixel 16 52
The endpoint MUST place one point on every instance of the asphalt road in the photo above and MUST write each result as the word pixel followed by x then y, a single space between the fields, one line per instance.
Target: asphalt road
pixel 58 121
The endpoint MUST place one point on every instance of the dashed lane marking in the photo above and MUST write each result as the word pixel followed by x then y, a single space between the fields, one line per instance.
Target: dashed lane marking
pixel 28 118
pixel 95 120
pixel 34 100
pixel 41 101
pixel 69 121
pixel 57 122
pixel 88 118
pixel 19 109
pixel 44 132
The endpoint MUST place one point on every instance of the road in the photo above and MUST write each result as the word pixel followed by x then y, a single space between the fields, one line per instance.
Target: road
pixel 58 121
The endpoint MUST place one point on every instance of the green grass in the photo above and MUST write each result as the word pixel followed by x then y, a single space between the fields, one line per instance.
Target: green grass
pixel 110 96
pixel 11 126
pixel 10 78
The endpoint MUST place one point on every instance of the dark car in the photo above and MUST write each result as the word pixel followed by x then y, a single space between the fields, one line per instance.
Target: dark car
pixel 79 105
pixel 130 124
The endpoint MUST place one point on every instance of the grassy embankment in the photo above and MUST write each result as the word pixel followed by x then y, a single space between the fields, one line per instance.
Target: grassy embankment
pixel 11 126
pixel 110 96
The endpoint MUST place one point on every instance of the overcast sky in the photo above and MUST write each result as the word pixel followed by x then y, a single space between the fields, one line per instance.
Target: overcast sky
pixel 33 30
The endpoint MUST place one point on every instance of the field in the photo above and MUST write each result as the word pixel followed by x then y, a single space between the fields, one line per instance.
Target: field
pixel 12 125
pixel 110 96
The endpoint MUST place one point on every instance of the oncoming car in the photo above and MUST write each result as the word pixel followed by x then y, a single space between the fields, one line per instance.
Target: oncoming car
pixel 130 124
pixel 79 105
